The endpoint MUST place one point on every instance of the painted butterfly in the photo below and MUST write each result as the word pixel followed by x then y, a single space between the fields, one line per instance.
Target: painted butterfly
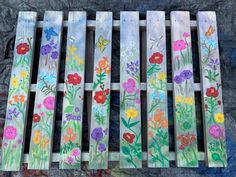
pixel 102 43
pixel 50 32
pixel 210 31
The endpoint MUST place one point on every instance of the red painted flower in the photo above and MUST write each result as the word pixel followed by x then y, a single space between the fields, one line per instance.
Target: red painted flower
pixel 36 118
pixel 74 79
pixel 186 140
pixel 101 96
pixel 129 137
pixel 156 57
pixel 22 48
pixel 212 92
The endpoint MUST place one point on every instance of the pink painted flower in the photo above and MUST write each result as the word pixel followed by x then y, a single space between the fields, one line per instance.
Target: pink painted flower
pixel 70 160
pixel 179 45
pixel 137 101
pixel 42 114
pixel 10 132
pixel 39 106
pixel 129 86
pixel 137 91
pixel 186 34
pixel 215 131
pixel 49 102
pixel 75 152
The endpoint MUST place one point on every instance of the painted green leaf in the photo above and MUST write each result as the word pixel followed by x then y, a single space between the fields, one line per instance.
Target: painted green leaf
pixel 133 124
pixel 216 156
pixel 69 109
pixel 124 122
pixel 125 150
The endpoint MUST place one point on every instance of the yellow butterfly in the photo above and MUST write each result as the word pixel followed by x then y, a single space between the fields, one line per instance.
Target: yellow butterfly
pixel 102 43
pixel 210 31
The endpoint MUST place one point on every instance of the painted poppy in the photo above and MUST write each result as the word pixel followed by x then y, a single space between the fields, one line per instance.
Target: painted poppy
pixel 156 57
pixel 129 137
pixel 22 48
pixel 36 118
pixel 74 79
pixel 212 92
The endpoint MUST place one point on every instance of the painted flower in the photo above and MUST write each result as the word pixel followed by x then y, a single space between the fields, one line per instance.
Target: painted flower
pixel 10 132
pixel 19 98
pixel 70 160
pixel 15 81
pixel 36 118
pixel 72 49
pixel 103 66
pixel 97 134
pixel 178 79
pixel 161 76
pixel 186 140
pixel 215 131
pixel 75 152
pixel 212 92
pixel 129 86
pixel 186 35
pixel 102 147
pixel 74 79
pixel 101 96
pixel 159 115
pixel 23 74
pixel 45 49
pixel 103 63
pixel 131 113
pixel 22 48
pixel 132 68
pixel 186 74
pixel 54 55
pixel 156 57
pixel 129 137
pixel 179 45
pixel 219 118
pixel 49 102
pixel 70 136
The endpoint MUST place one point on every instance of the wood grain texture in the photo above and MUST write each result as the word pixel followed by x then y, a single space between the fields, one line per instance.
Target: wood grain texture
pixel 157 110
pixel 18 95
pixel 72 117
pixel 99 125
pixel 212 104
pixel 184 100
pixel 130 114
pixel 46 92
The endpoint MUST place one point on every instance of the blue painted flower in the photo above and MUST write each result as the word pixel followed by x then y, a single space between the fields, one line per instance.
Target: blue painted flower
pixel 178 79
pixel 54 55
pixel 186 74
pixel 97 134
pixel 162 96
pixel 102 147
pixel 212 43
pixel 45 49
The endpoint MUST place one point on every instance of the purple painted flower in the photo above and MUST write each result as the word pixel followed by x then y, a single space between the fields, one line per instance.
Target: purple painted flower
pixel 186 74
pixel 72 117
pixel 102 147
pixel 76 109
pixel 213 63
pixel 14 145
pixel 45 49
pixel 216 131
pixel 12 113
pixel 70 160
pixel 54 55
pixel 129 86
pixel 132 68
pixel 178 79
pixel 97 134
pixel 19 141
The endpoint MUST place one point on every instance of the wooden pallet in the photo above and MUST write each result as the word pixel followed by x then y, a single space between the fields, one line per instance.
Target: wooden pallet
pixel 131 155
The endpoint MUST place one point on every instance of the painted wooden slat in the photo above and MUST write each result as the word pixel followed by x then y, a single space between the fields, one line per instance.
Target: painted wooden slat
pixel 18 95
pixel 157 110
pixel 71 130
pixel 130 114
pixel 184 104
pixel 214 128
pixel 46 91
pixel 99 125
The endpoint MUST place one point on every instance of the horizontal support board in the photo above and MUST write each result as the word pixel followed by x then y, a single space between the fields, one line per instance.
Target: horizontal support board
pixel 116 87
pixel 116 24
pixel 113 156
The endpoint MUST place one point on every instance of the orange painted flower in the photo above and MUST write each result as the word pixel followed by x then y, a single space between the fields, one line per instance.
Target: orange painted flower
pixel 159 115
pixel 19 98
pixel 103 66
pixel 71 135
pixel 164 123
pixel 69 130
pixel 103 63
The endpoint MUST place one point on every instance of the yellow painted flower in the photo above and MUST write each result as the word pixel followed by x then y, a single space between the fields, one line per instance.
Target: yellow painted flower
pixel 178 99
pixel 219 118
pixel 67 58
pixel 152 81
pixel 72 49
pixel 131 113
pixel 23 74
pixel 190 101
pixel 36 139
pixel 15 81
pixel 161 76
pixel 37 133
pixel 79 60
pixel 45 143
